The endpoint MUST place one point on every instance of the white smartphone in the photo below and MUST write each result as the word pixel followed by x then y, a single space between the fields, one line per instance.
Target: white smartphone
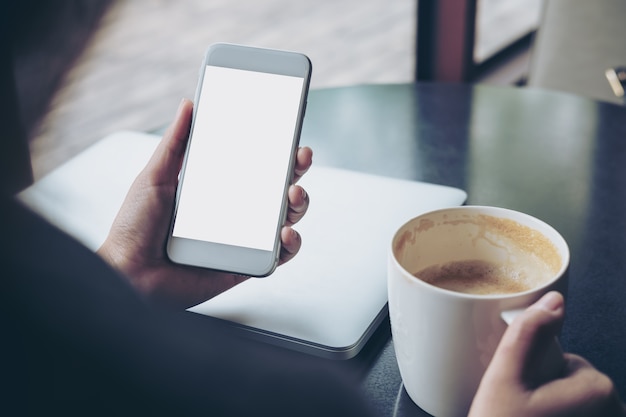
pixel 231 201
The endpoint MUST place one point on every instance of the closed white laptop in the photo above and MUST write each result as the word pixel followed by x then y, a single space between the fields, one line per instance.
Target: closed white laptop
pixel 327 301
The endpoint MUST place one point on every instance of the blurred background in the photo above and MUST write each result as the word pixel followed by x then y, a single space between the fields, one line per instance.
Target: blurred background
pixel 87 68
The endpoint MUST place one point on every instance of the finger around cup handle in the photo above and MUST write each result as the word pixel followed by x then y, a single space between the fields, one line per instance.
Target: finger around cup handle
pixel 552 363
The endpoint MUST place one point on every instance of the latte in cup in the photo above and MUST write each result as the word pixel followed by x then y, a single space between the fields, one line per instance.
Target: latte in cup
pixel 451 275
pixel 483 277
pixel 529 261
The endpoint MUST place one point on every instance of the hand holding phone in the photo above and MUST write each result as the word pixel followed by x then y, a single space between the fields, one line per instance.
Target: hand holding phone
pixel 250 104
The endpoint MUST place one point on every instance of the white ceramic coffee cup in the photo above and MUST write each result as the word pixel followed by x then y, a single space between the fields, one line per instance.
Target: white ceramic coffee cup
pixel 445 339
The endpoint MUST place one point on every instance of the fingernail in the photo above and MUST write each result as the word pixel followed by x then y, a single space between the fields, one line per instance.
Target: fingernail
pixel 552 301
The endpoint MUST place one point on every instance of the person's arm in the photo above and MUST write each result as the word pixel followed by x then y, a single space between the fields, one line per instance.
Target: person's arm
pixel 79 341
pixel 15 166
pixel 135 245
pixel 508 387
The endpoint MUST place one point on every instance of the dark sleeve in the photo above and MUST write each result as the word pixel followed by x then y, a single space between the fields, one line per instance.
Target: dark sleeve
pixel 15 168
pixel 79 341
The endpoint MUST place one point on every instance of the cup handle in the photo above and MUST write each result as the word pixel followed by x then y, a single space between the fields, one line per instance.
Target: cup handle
pixel 552 363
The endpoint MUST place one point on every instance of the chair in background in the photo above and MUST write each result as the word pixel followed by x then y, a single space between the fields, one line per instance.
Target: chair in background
pixel 576 43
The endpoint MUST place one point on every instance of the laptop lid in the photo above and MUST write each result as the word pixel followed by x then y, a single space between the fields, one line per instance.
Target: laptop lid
pixel 330 298
pixel 327 301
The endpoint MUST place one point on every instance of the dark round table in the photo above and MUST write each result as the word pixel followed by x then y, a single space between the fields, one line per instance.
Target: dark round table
pixel 559 157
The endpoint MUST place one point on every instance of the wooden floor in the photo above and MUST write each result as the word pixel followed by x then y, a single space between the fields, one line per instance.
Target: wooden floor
pixel 145 55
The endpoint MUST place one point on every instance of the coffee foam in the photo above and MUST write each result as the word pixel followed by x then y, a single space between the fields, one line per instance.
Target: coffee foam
pixel 482 277
pixel 532 259
pixel 521 238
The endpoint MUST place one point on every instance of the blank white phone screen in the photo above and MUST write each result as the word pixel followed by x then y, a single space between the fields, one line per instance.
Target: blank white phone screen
pixel 232 189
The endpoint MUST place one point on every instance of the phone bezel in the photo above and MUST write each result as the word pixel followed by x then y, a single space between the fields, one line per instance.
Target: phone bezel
pixel 228 258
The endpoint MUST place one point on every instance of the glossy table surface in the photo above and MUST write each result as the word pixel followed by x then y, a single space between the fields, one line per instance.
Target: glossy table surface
pixel 556 156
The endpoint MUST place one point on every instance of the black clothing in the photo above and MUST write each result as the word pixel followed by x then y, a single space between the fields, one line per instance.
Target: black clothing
pixel 78 340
